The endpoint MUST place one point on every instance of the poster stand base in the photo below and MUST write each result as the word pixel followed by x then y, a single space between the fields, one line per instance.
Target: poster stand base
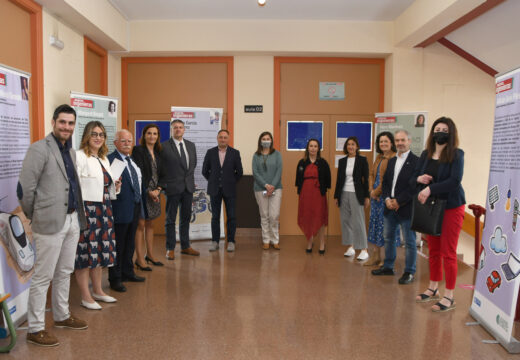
pixel 512 345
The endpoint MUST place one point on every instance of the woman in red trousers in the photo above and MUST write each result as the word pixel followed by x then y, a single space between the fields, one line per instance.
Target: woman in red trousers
pixel 439 170
pixel 313 180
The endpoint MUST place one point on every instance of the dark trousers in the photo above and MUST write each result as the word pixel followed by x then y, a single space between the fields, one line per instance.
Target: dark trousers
pixel 125 247
pixel 216 205
pixel 173 202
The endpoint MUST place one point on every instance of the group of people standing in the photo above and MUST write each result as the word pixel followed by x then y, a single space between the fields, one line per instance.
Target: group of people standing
pixel 84 218
pixel 388 188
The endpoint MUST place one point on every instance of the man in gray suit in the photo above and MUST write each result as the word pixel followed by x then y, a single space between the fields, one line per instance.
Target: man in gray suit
pixel 50 196
pixel 178 162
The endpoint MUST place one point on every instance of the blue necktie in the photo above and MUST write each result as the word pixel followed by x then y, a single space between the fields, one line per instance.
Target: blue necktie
pixel 135 181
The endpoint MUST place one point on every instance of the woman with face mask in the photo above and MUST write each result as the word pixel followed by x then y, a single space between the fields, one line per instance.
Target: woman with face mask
pixel 439 173
pixel 267 174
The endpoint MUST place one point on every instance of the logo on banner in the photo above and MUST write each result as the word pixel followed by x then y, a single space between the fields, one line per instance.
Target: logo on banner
pixel 183 115
pixel 502 322
pixel 386 119
pixel 2 79
pixel 82 103
pixel 504 85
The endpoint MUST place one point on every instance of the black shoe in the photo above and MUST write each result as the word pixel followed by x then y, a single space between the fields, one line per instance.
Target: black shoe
pixel 383 271
pixel 117 286
pixel 407 278
pixel 133 278
pixel 322 252
pixel 308 251
pixel 154 263
pixel 143 268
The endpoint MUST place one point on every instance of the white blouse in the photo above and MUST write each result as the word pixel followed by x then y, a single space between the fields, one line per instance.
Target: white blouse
pixel 91 177
pixel 349 179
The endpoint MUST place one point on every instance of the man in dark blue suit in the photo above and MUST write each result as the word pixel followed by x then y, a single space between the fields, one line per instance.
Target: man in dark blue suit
pixel 398 194
pixel 127 209
pixel 222 168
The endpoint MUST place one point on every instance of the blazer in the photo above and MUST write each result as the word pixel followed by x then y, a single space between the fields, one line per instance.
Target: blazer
pixel 174 178
pixel 403 191
pixel 91 177
pixel 382 168
pixel 449 177
pixel 143 159
pixel 43 187
pixel 360 175
pixel 323 174
pixel 225 176
pixel 123 205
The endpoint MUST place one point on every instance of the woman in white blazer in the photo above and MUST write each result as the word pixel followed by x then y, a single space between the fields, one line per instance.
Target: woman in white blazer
pixel 97 244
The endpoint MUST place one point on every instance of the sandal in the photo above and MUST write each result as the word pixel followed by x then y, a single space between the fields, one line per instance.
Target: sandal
pixel 443 308
pixel 426 298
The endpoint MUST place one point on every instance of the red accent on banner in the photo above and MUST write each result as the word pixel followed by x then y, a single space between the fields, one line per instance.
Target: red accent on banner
pixel 2 79
pixel 82 103
pixel 504 85
pixel 386 119
pixel 183 115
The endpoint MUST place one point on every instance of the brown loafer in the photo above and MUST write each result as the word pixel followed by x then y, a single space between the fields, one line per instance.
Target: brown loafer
pixel 265 246
pixel 276 246
pixel 42 338
pixel 190 251
pixel 72 323
pixel 170 254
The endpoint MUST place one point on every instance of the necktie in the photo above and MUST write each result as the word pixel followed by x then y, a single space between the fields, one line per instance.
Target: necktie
pixel 183 157
pixel 135 181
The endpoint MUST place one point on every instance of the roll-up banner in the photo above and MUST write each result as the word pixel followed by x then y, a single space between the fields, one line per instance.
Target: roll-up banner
pixel 201 128
pixel 497 281
pixel 16 250
pixel 91 107
pixel 416 123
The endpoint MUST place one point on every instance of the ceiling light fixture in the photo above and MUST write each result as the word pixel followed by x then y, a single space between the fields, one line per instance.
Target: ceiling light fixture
pixel 261 2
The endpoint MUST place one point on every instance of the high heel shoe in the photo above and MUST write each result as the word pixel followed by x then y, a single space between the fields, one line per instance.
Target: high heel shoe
pixel 143 268
pixel 308 251
pixel 155 263
pixel 322 252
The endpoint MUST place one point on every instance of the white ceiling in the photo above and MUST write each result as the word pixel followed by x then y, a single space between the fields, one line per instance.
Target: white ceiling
pixel 494 37
pixel 360 10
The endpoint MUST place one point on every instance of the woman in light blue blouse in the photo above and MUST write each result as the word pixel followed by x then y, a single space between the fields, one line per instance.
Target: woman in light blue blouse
pixel 267 173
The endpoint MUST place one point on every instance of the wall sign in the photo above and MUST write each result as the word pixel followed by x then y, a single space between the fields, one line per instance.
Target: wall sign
pixel 332 90
pixel 253 108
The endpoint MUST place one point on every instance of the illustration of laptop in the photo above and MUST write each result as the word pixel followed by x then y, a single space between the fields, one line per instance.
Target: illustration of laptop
pixel 511 268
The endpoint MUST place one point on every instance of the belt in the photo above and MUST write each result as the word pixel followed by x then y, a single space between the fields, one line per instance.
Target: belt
pixel 70 211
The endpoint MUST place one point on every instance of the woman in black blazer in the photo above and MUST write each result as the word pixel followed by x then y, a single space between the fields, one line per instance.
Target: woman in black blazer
pixel 312 181
pixel 352 197
pixel 439 172
pixel 146 156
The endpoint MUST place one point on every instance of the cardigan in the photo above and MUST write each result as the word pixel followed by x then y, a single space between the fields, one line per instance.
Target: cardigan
pixel 449 176
pixel 143 159
pixel 91 178
pixel 323 174
pixel 360 175
pixel 270 174
pixel 382 169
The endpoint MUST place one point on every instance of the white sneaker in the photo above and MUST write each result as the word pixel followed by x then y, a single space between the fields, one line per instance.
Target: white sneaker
pixel 350 252
pixel 230 247
pixel 363 255
pixel 104 298
pixel 91 306
pixel 214 246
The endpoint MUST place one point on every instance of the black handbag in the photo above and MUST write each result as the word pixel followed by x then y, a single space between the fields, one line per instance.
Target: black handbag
pixel 427 218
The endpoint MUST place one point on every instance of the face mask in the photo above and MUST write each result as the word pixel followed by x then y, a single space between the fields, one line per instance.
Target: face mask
pixel 266 144
pixel 440 137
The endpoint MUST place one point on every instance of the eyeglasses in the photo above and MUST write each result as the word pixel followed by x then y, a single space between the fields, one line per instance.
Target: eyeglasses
pixel 97 135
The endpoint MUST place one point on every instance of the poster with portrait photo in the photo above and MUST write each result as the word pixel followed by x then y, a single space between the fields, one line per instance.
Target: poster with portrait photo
pixel 413 122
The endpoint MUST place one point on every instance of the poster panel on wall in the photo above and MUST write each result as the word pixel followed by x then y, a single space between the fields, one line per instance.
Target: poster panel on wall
pixel 91 107
pixel 416 123
pixel 15 270
pixel 360 129
pixel 163 125
pixel 201 127
pixel 497 281
pixel 300 132
pixel 332 90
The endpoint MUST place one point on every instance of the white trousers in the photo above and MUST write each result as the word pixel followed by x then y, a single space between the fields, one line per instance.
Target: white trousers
pixel 55 256
pixel 269 207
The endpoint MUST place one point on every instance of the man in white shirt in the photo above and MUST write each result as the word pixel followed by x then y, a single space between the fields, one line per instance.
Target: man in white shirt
pixel 398 192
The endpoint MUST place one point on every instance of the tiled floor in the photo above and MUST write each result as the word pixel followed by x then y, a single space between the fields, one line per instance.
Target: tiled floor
pixel 255 304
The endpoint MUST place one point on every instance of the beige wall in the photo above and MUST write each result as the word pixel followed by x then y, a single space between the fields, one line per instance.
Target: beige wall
pixel 254 84
pixel 438 81
pixel 114 82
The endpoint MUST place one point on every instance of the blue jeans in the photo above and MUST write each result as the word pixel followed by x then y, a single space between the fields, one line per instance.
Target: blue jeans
pixel 392 221
pixel 216 205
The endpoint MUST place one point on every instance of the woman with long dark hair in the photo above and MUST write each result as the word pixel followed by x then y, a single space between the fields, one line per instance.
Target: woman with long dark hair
pixel 267 174
pixel 146 156
pixel 312 181
pixel 385 148
pixel 439 172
